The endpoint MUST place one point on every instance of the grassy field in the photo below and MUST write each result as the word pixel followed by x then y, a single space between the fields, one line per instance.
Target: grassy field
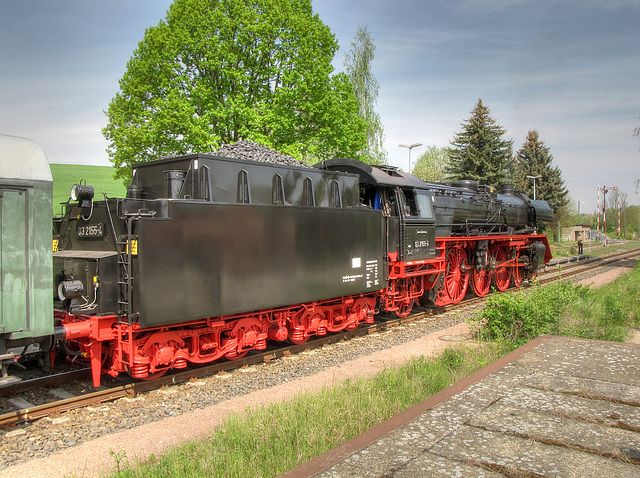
pixel 595 249
pixel 100 177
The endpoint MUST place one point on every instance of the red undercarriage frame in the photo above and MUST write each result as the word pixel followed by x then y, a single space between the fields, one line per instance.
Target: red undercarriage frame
pixel 458 264
pixel 114 346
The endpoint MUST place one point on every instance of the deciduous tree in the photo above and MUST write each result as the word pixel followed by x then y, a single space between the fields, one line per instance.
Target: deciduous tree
pixel 358 67
pixel 217 71
pixel 431 164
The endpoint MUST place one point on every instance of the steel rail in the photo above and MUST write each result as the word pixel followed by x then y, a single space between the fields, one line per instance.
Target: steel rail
pixel 13 388
pixel 563 273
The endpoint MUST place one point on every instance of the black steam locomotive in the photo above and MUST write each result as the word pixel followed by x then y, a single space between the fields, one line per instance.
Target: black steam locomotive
pixel 210 257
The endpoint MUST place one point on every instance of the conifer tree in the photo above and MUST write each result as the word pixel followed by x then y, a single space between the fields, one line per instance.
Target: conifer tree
pixel 534 159
pixel 479 152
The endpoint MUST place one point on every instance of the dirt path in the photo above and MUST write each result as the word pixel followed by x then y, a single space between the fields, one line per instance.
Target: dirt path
pixel 606 277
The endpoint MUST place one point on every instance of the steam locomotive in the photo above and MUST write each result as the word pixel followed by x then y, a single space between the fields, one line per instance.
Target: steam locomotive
pixel 210 256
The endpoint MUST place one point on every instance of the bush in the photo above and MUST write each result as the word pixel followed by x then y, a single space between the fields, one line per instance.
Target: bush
pixel 563 308
pixel 520 317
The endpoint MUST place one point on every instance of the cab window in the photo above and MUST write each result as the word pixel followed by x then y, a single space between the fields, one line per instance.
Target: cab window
pixel 410 209
pixel 423 204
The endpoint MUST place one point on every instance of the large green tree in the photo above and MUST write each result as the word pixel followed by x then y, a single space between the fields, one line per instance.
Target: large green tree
pixel 431 165
pixel 479 152
pixel 217 71
pixel 534 159
pixel 358 67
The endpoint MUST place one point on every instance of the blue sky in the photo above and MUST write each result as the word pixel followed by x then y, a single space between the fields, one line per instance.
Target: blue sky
pixel 570 69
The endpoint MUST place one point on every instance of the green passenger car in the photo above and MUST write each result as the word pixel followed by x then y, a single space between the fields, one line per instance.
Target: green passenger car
pixel 26 297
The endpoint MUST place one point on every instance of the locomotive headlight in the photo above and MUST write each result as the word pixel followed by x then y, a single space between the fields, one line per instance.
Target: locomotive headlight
pixel 83 194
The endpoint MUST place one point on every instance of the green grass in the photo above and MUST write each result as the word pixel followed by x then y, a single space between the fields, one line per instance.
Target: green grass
pixel 270 440
pixel 608 312
pixel 100 177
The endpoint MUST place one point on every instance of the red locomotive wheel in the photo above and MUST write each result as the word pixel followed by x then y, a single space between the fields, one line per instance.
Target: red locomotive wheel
pixel 456 281
pixel 502 276
pixel 404 303
pixel 481 282
pixel 405 308
pixel 297 337
pixel 236 356
pixel 517 276
pixel 151 376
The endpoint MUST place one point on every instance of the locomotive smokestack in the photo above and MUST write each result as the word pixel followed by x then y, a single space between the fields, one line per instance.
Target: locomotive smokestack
pixel 507 188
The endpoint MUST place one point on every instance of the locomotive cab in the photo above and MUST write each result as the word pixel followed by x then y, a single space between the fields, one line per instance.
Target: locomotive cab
pixel 405 203
pixel 412 220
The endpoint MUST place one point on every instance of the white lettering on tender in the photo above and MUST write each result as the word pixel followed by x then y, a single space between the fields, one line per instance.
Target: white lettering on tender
pixel 352 278
pixel 373 279
pixel 92 230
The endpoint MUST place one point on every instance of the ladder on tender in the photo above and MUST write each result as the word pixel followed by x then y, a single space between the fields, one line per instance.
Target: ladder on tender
pixel 125 278
pixel 127 248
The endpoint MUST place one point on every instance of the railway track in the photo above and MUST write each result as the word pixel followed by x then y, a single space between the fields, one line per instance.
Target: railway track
pixel 27 412
pixel 131 389
pixel 563 270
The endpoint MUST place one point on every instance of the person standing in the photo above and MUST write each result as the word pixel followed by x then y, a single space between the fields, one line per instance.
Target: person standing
pixel 580 241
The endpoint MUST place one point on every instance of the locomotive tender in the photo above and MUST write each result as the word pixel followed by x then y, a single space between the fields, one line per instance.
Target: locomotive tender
pixel 210 257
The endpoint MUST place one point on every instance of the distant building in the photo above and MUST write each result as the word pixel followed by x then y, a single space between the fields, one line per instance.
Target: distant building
pixel 572 233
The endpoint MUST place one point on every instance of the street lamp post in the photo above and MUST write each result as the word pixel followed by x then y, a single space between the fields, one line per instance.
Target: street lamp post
pixel 410 146
pixel 534 184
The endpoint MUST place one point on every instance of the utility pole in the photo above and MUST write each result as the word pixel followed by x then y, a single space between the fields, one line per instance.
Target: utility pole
pixel 604 190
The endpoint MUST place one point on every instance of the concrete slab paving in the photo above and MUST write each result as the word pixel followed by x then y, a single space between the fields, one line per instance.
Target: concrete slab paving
pixel 556 407
pixel 586 387
pixel 516 456
pixel 599 438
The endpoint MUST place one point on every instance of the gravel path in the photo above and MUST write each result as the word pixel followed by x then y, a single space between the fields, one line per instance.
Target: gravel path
pixel 70 443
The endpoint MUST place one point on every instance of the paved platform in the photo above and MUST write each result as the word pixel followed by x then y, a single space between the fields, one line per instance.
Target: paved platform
pixel 558 406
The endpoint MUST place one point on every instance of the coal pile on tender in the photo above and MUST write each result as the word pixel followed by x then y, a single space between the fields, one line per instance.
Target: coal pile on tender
pixel 256 152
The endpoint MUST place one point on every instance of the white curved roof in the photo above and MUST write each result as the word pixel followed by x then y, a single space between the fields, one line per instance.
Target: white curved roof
pixel 21 158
